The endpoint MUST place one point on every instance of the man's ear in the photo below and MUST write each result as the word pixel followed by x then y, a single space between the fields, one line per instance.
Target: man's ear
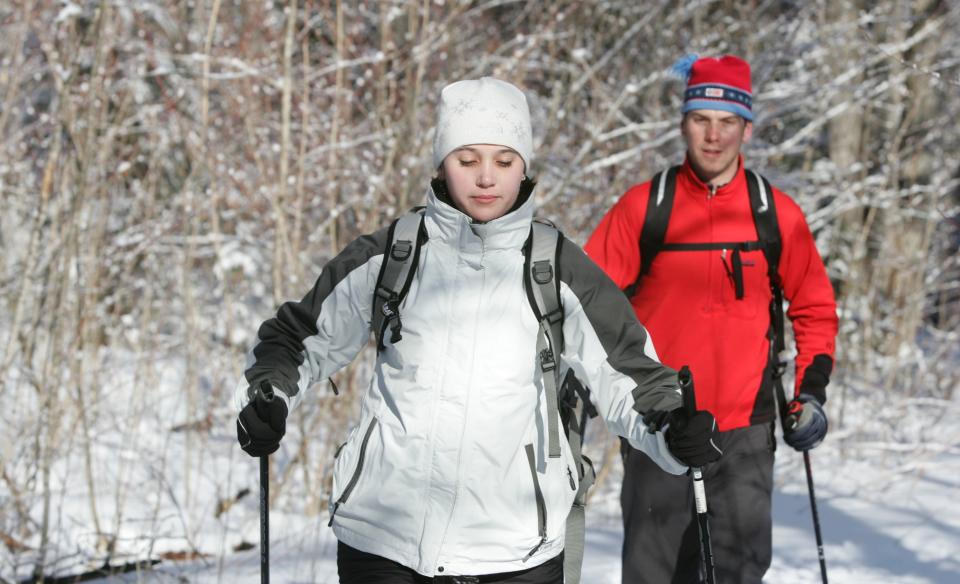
pixel 747 132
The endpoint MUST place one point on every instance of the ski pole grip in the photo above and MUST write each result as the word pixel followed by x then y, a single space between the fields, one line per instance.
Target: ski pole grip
pixel 266 391
pixel 685 377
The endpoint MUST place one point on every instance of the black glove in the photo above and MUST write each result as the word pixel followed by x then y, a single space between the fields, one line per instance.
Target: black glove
pixel 692 439
pixel 261 424
pixel 806 423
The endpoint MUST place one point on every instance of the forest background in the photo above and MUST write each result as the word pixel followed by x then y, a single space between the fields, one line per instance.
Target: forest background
pixel 170 171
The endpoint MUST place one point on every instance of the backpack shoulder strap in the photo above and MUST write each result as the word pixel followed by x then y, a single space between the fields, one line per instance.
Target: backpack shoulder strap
pixel 576 427
pixel 659 205
pixel 663 185
pixel 542 284
pixel 764 209
pixel 399 260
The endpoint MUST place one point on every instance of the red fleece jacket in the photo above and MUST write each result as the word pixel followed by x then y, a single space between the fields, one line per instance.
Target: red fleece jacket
pixel 688 303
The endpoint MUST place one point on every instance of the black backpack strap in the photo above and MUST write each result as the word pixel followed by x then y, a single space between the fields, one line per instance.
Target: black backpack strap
pixel 399 262
pixel 764 209
pixel 663 185
pixel 543 291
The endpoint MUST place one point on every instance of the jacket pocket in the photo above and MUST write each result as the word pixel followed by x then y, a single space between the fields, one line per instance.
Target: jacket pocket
pixel 357 471
pixel 541 504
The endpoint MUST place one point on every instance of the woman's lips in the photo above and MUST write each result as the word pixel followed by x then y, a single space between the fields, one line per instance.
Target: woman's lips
pixel 485 198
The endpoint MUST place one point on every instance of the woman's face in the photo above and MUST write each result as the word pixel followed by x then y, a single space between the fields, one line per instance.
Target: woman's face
pixel 483 180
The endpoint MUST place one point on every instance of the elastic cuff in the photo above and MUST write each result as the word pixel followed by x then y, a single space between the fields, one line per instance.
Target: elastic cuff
pixel 816 377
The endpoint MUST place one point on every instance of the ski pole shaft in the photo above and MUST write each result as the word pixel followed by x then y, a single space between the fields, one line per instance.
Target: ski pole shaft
pixel 816 517
pixel 265 520
pixel 699 492
pixel 265 394
pixel 706 548
pixel 786 422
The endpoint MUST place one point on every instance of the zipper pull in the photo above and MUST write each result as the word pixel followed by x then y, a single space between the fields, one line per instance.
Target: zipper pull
pixel 543 540
pixel 333 513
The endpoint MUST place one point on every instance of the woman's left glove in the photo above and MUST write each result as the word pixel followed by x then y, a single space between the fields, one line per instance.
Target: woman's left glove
pixel 692 439
pixel 261 424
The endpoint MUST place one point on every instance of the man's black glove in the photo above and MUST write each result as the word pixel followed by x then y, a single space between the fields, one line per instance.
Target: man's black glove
pixel 692 438
pixel 806 423
pixel 261 424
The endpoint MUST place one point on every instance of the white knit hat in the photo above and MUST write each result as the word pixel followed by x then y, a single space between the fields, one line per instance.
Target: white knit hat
pixel 482 111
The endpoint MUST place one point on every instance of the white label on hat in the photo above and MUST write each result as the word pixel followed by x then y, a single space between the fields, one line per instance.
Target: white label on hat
pixel 713 92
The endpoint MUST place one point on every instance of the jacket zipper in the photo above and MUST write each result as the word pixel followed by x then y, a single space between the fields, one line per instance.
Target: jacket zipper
pixel 356 473
pixel 541 506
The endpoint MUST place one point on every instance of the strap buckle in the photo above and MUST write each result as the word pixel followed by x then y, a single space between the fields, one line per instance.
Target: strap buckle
pixel 542 272
pixel 547 362
pixel 401 250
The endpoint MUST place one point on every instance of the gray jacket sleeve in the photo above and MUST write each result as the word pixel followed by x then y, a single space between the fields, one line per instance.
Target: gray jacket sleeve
pixel 612 354
pixel 310 340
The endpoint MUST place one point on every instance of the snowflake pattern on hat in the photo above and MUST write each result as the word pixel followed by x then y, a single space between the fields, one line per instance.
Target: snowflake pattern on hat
pixel 482 111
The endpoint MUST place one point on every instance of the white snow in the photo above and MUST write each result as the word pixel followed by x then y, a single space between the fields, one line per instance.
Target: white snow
pixel 887 516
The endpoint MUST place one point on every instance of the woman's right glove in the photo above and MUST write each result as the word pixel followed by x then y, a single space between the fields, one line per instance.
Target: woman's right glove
pixel 692 438
pixel 261 424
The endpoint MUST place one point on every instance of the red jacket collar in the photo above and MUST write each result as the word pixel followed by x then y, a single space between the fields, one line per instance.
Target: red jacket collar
pixel 692 184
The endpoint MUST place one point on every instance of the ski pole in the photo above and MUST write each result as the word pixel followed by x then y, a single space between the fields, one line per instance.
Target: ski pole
pixel 787 421
pixel 699 493
pixel 816 518
pixel 266 395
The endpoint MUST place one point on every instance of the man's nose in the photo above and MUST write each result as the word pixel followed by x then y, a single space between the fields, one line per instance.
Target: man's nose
pixel 713 133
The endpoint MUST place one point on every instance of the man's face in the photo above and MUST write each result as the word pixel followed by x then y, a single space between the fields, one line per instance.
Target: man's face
pixel 713 140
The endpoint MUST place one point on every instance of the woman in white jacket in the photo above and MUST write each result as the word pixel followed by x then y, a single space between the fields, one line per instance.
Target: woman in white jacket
pixel 446 476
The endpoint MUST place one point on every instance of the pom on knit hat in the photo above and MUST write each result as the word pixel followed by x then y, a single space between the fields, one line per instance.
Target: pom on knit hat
pixel 681 69
pixel 716 83
pixel 482 111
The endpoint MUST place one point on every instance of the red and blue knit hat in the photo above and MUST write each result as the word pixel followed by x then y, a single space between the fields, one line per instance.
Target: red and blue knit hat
pixel 716 83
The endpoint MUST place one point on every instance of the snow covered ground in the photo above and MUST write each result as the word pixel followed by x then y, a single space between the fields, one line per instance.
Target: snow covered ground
pixel 888 508
pixel 879 525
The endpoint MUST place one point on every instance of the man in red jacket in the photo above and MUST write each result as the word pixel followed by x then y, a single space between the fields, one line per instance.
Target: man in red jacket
pixel 710 310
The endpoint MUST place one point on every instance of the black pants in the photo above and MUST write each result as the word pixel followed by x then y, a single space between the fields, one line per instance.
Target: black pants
pixel 357 567
pixel 661 538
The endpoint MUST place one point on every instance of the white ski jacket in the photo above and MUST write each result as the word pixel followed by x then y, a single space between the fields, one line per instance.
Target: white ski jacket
pixel 446 471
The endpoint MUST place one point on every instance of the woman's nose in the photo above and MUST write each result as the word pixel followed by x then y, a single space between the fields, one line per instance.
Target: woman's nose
pixel 485 176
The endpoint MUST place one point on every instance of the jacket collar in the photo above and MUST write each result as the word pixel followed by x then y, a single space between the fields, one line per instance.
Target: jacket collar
pixel 450 225
pixel 692 184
